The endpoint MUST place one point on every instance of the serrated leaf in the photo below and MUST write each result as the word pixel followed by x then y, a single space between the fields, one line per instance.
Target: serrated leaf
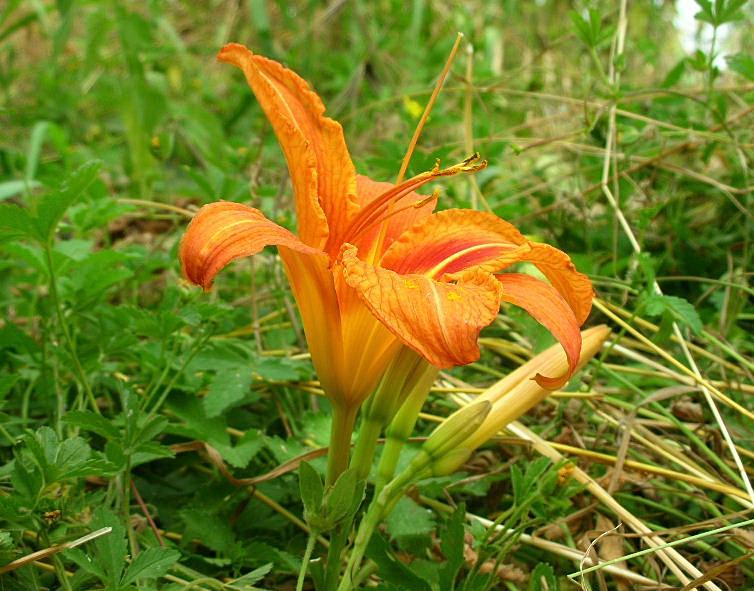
pixel 680 309
pixel 228 388
pixel 240 454
pixel 85 562
pixel 72 453
pixel 247 581
pixel 15 222
pixel 452 546
pixel 409 519
pixel 109 551
pixel 51 208
pixel 148 451
pixel 543 578
pixel 92 422
pixel 151 429
pixel 96 273
pixel 393 570
pixel 150 564
pixel 277 369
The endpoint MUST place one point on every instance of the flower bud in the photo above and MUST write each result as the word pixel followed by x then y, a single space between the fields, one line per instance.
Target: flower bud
pixel 516 394
pixel 456 429
pixel 450 462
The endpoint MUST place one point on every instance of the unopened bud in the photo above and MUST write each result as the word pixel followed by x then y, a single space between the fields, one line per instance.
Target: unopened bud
pixel 450 462
pixel 456 429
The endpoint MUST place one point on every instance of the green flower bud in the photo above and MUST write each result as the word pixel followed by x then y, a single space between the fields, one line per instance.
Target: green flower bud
pixel 456 428
pixel 451 461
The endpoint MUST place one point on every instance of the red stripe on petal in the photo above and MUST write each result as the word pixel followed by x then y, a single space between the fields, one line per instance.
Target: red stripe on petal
pixel 452 241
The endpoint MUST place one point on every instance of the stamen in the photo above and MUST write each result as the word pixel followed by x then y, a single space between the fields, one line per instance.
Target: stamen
pixel 393 212
pixel 374 212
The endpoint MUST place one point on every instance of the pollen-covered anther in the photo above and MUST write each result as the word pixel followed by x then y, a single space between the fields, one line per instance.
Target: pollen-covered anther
pixel 427 200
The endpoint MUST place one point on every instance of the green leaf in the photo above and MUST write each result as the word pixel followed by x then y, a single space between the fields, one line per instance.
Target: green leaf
pixel 344 497
pixel 393 570
pixel 109 551
pixel 228 388
pixel 409 519
pixel 681 310
pixel 247 582
pixel 674 75
pixel 96 273
pixel 92 422
pixel 51 208
pixel 589 29
pixel 312 490
pixel 543 578
pixel 742 64
pixel 38 133
pixel 15 222
pixel 452 546
pixel 275 369
pixel 86 562
pixel 71 454
pixel 150 564
pixel 721 12
pixel 240 454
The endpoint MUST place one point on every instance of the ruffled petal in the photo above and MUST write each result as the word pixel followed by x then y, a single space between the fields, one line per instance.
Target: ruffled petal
pixel 574 287
pixel 412 209
pixel 323 176
pixel 440 321
pixel 453 241
pixel 223 231
pixel 543 302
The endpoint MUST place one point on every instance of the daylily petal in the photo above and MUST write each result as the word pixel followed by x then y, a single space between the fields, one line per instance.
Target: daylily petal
pixel 547 307
pixel 440 321
pixel 454 240
pixel 223 231
pixel 412 209
pixel 368 346
pixel 313 287
pixel 323 176
pixel 575 287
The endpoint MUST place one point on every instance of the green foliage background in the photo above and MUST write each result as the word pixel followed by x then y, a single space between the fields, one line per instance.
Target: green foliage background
pixel 115 122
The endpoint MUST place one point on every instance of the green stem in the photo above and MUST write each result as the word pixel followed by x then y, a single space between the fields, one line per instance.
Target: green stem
pixel 368 525
pixel 367 571
pixel 391 453
pixel 337 544
pixel 361 461
pixel 337 462
pixel 338 453
pixel 366 444
pixel 305 561
pixel 60 572
pixel 377 509
pixel 197 346
pixel 78 369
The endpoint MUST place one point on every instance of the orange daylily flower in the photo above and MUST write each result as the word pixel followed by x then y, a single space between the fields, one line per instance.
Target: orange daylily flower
pixel 372 268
